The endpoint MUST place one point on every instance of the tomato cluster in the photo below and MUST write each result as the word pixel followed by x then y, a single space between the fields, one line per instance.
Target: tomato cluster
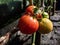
pixel 34 20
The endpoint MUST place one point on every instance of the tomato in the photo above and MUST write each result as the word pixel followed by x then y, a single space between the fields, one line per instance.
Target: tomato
pixel 27 24
pixel 45 15
pixel 46 26
pixel 38 14
pixel 30 9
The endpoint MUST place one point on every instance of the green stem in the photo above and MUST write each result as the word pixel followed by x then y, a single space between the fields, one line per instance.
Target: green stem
pixel 37 3
pixel 34 37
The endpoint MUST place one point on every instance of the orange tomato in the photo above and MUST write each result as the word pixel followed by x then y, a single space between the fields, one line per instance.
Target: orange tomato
pixel 30 9
pixel 27 24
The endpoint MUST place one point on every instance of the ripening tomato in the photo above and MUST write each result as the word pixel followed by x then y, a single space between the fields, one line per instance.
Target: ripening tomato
pixel 30 9
pixel 27 24
pixel 46 26
pixel 39 14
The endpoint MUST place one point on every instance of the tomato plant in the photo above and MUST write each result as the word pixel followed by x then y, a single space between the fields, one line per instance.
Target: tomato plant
pixel 27 24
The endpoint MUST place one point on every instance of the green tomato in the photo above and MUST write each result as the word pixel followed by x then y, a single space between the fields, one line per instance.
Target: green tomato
pixel 45 15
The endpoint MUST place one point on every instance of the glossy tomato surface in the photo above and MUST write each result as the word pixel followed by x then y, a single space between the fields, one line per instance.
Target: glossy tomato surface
pixel 28 24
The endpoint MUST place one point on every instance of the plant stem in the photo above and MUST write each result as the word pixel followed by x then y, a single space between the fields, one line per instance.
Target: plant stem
pixel 34 37
pixel 31 2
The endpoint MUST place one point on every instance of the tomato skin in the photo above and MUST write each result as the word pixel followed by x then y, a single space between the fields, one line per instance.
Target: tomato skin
pixel 28 24
pixel 30 9
pixel 46 26
pixel 39 16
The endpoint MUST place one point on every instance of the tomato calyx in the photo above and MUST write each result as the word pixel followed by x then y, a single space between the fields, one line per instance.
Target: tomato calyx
pixel 35 10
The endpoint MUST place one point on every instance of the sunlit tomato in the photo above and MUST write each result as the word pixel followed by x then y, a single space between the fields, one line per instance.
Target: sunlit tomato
pixel 45 15
pixel 30 9
pixel 28 24
pixel 46 26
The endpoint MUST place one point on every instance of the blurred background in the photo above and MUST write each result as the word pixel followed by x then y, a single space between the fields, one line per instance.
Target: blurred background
pixel 12 10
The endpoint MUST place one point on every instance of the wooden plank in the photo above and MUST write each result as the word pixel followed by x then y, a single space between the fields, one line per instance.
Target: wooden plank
pixel 57 24
pixel 55 18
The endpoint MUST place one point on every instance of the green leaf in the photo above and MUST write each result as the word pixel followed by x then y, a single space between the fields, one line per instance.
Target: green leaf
pixel 35 10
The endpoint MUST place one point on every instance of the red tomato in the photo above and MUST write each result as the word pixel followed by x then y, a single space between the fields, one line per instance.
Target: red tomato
pixel 28 24
pixel 30 9
pixel 39 16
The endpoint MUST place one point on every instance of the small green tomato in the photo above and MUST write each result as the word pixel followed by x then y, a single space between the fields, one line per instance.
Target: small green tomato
pixel 45 15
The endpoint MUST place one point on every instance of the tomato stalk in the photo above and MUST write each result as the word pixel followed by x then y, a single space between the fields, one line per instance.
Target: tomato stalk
pixel 31 2
pixel 34 37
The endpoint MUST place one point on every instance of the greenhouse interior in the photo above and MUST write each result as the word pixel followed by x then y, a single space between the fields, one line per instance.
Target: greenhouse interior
pixel 29 22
